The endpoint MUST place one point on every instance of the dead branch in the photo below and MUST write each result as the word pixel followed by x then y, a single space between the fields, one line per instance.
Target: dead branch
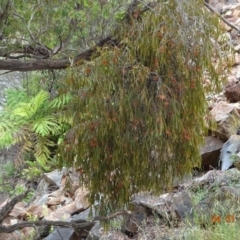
pixel 9 206
pixel 221 17
pixel 75 224
pixel 49 64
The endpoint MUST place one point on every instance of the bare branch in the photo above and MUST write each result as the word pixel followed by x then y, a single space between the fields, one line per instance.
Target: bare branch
pixel 21 225
pixel 43 64
pixel 9 206
pixel 221 17
pixel 75 224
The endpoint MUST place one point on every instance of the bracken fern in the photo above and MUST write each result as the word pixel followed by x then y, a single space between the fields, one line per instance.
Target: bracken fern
pixel 34 123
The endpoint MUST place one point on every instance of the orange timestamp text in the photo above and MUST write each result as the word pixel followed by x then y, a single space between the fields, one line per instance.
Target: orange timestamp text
pixel 219 219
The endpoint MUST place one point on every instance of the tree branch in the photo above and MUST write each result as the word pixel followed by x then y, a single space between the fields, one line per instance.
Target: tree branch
pixel 9 206
pixel 51 64
pixel 221 17
pixel 21 225
pixel 75 224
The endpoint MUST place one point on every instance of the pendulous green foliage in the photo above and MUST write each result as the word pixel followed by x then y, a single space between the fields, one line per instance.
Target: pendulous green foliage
pixel 138 109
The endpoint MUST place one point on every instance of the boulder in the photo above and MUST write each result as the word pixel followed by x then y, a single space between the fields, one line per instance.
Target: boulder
pixel 81 200
pixel 66 211
pixel 133 221
pixel 18 211
pixel 227 118
pixel 53 201
pixel 42 188
pixel 230 152
pixel 54 178
pixel 38 212
pixel 210 152
pixel 83 217
pixel 94 233
pixel 155 205
pixel 181 206
pixel 232 90
pixel 41 200
pixel 62 233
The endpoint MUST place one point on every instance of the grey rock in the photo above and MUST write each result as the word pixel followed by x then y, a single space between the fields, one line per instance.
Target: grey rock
pixel 232 90
pixel 181 206
pixel 54 178
pixel 94 233
pixel 62 233
pixel 42 187
pixel 210 152
pixel 41 201
pixel 133 221
pixel 237 49
pixel 215 179
pixel 230 151
pixel 178 181
pixel 83 216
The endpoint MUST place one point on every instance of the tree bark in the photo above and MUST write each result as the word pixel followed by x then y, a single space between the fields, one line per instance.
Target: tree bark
pixel 51 64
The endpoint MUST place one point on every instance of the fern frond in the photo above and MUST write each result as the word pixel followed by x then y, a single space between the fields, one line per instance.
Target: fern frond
pixel 6 132
pixel 38 101
pixel 31 123
pixel 60 101
pixel 6 139
pixel 23 135
pixel 24 149
pixel 45 126
pixel 23 110
pixel 15 96
pixel 42 152
pixel 26 110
